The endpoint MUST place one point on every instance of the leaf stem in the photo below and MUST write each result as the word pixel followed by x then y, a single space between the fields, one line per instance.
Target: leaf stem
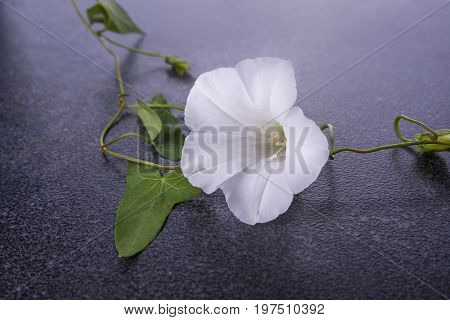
pixel 157 105
pixel 169 106
pixel 125 135
pixel 140 51
pixel 122 156
pixel 110 125
pixel 136 160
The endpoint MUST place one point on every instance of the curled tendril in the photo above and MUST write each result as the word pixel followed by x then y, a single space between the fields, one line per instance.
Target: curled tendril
pixel 432 134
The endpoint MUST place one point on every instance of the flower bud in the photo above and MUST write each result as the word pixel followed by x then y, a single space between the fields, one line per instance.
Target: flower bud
pixel 443 137
pixel 180 65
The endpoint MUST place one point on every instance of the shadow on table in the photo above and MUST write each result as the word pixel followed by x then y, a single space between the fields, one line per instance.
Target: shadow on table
pixel 430 166
pixel 433 167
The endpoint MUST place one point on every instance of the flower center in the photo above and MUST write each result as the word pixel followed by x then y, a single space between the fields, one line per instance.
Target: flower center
pixel 277 143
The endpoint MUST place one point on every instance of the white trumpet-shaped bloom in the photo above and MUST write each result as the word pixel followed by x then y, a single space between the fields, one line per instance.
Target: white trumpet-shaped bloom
pixel 249 140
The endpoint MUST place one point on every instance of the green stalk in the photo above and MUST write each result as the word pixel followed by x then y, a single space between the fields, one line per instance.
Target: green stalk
pixel 157 105
pixel 390 146
pixel 110 51
pixel 140 51
pixel 126 135
pixel 406 142
pixel 122 102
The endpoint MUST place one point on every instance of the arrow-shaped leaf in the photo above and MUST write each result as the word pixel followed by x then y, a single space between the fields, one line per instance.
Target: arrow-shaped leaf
pixel 148 200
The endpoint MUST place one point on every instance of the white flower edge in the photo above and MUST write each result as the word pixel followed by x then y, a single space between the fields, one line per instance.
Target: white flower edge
pixel 257 93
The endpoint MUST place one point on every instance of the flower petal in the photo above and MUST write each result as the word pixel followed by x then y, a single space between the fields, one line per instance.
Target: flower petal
pixel 306 150
pixel 257 194
pixel 219 98
pixel 211 158
pixel 270 83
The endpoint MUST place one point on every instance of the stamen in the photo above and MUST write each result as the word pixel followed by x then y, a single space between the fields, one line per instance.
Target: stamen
pixel 277 143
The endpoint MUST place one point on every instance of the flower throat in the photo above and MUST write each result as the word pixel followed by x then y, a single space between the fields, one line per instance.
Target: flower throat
pixel 277 143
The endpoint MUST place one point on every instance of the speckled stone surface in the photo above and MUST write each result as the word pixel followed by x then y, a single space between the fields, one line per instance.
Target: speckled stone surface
pixel 372 226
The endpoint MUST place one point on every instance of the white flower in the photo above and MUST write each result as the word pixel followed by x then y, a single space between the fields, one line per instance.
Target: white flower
pixel 249 140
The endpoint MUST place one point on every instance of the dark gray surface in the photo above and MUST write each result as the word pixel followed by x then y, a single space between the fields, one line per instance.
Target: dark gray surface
pixel 372 226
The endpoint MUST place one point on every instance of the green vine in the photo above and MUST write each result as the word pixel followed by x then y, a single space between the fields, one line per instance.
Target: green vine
pixel 437 140
pixel 101 38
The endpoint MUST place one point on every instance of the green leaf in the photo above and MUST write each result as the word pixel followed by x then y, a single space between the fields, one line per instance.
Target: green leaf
pixel 112 16
pixel 148 200
pixel 158 99
pixel 170 141
pixel 180 65
pixel 150 120
pixel 97 14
